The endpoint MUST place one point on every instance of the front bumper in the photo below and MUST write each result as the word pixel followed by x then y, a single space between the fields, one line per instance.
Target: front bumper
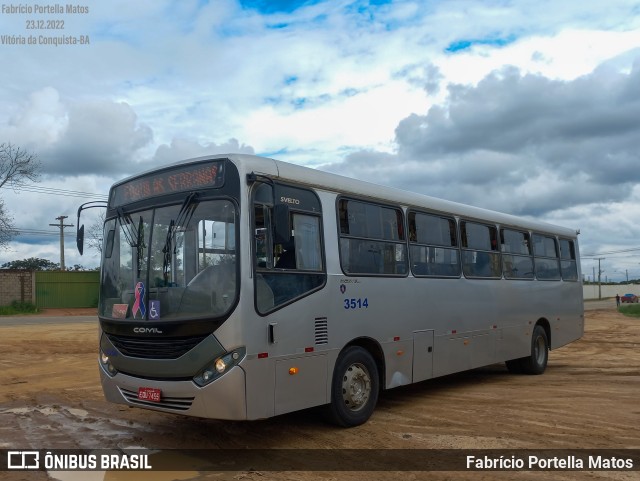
pixel 224 398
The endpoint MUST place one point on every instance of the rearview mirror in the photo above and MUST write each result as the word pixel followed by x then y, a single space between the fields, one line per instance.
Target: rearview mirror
pixel 80 239
pixel 80 231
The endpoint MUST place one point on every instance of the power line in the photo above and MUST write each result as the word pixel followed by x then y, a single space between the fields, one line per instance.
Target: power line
pixel 20 232
pixel 621 251
pixel 54 191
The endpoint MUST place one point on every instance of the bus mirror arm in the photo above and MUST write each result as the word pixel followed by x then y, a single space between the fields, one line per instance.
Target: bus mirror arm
pixel 80 228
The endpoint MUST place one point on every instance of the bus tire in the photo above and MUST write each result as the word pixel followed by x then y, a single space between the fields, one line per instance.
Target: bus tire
pixel 354 388
pixel 536 362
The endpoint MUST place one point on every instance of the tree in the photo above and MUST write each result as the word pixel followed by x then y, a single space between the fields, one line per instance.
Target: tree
pixel 77 267
pixel 95 234
pixel 16 167
pixel 6 228
pixel 32 264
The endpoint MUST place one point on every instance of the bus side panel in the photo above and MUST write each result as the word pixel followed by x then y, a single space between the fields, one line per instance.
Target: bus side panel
pixel 423 343
pixel 567 329
pixel 569 325
pixel 482 346
pixel 513 342
pixel 260 380
pixel 450 355
pixel 398 357
pixel 300 383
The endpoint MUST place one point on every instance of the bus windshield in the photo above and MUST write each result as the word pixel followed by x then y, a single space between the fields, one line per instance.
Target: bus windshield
pixel 171 262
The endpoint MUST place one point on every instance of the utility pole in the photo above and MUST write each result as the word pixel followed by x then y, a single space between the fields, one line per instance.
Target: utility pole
pixel 600 271
pixel 62 225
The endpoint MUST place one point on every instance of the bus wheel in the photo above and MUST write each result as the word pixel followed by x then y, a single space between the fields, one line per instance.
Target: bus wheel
pixel 354 388
pixel 536 363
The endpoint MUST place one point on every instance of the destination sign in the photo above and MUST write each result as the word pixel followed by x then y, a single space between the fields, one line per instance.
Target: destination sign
pixel 206 175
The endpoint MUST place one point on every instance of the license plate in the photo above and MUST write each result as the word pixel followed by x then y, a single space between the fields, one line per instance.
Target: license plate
pixel 149 394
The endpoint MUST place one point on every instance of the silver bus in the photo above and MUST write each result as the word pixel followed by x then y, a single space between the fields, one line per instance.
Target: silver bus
pixel 239 287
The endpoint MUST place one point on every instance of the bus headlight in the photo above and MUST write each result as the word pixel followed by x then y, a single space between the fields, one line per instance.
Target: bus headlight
pixel 106 364
pixel 221 366
pixel 218 367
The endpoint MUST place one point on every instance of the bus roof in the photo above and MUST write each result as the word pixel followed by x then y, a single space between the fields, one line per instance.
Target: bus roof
pixel 348 186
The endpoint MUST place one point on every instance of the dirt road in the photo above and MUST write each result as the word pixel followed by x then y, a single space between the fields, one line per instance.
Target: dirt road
pixel 50 398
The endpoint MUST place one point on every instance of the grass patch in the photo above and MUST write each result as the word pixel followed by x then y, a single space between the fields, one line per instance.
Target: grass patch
pixel 17 308
pixel 631 310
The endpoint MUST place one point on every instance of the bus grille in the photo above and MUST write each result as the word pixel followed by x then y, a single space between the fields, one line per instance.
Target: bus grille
pixel 174 403
pixel 154 348
pixel 322 331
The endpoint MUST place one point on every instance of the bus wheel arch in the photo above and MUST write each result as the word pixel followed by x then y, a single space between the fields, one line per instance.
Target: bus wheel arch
pixel 536 362
pixel 547 329
pixel 355 384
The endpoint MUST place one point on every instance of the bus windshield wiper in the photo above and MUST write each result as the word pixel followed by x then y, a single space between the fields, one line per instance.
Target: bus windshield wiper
pixel 140 245
pixel 182 219
pixel 126 222
pixel 134 237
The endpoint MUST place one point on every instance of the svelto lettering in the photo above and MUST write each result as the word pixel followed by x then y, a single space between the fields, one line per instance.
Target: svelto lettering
pixel 290 200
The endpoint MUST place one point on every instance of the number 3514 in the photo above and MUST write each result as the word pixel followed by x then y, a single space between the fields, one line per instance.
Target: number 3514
pixel 356 303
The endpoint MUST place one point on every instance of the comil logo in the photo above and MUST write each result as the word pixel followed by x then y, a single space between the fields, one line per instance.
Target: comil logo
pixel 147 330
pixel 23 460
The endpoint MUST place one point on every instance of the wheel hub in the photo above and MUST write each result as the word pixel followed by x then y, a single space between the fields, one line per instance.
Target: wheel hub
pixel 356 387
pixel 539 350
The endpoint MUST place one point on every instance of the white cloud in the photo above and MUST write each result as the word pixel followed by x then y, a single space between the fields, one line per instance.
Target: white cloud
pixel 39 122
pixel 365 118
pixel 566 55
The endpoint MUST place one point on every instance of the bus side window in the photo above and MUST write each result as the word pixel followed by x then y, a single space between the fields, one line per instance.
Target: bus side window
pixel 263 238
pixel 294 267
pixel 433 245
pixel 108 248
pixel 308 253
pixel 480 256
pixel 546 259
pixel 372 239
pixel 517 262
pixel 568 265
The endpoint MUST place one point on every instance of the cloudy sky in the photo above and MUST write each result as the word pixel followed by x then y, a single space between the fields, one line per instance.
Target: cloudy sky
pixel 530 107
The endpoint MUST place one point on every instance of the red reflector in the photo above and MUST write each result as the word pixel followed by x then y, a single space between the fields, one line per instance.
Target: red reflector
pixel 397 338
pixel 262 355
pixel 308 349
